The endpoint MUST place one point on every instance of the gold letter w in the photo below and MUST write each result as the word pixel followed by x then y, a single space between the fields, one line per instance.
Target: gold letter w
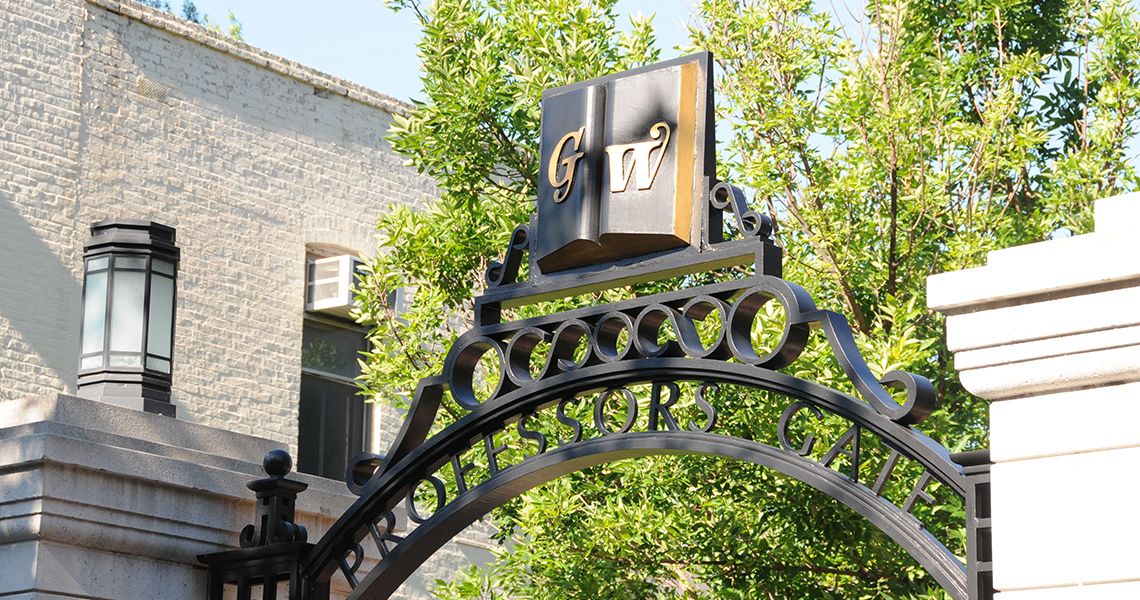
pixel 641 162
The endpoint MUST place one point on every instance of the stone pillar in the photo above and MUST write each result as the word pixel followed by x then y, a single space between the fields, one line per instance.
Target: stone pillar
pixel 1050 333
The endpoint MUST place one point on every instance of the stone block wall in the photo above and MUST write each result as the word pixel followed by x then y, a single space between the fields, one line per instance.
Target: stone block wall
pixel 106 503
pixel 111 109
pixel 1050 333
pixel 40 98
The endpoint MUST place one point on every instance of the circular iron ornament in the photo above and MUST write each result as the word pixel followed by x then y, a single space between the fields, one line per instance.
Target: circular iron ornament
pixel 567 338
pixel 743 314
pixel 607 337
pixel 700 309
pixel 520 350
pixel 460 371
pixel 647 329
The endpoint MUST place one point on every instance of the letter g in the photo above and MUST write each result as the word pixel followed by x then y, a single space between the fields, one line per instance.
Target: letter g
pixel 562 183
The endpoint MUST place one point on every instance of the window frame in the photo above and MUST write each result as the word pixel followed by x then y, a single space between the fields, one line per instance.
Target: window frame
pixel 311 318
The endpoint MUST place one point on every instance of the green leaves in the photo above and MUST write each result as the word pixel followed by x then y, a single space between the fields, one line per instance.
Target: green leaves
pixel 485 65
pixel 938 132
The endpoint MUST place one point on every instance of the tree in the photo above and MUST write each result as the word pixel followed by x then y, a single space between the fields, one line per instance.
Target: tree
pixel 933 134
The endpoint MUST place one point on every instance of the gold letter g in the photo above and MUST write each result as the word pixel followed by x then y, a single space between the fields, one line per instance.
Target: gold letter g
pixel 562 184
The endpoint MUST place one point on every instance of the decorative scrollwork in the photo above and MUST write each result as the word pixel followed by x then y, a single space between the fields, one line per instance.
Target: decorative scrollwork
pixel 727 197
pixel 705 330
pixel 507 271
pixel 666 325
pixel 549 395
pixel 361 468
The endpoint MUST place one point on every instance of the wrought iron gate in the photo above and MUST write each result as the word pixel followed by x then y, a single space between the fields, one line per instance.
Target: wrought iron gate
pixel 623 380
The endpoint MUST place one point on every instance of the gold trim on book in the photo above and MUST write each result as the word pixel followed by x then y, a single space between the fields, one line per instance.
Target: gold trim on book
pixel 686 153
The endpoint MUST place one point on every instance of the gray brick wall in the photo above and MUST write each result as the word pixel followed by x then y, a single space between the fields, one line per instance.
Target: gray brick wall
pixel 111 109
pixel 40 90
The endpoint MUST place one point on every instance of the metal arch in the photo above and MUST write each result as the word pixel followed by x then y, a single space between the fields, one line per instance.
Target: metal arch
pixel 418 546
pixel 735 305
pixel 389 486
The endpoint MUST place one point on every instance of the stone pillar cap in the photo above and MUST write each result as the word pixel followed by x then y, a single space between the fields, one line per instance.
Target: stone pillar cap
pixel 1078 264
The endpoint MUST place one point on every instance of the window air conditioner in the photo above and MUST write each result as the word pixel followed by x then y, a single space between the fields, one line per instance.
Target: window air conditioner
pixel 329 285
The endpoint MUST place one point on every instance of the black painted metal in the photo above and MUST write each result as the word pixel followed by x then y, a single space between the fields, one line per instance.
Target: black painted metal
pixel 422 542
pixel 276 504
pixel 586 357
pixel 272 548
pixel 979 549
pixel 607 365
pixel 734 304
pixel 391 486
pixel 115 240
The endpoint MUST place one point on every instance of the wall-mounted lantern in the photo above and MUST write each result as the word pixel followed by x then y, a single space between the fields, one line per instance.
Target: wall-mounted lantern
pixel 129 286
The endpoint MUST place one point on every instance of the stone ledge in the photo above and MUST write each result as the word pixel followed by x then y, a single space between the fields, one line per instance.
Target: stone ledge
pixel 998 327
pixel 96 419
pixel 106 486
pixel 1049 317
pixel 256 56
pixel 82 480
pixel 1070 371
pixel 1047 348
pixel 1100 591
pixel 51 571
pixel 1048 270
pixel 96 436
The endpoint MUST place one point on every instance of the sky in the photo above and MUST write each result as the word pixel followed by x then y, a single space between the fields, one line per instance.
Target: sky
pixel 365 42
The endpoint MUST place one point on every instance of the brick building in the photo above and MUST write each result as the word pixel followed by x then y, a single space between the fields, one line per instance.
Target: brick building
pixel 109 109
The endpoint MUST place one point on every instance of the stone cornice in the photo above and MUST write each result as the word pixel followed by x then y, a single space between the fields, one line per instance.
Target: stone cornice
pixel 255 56
pixel 1049 317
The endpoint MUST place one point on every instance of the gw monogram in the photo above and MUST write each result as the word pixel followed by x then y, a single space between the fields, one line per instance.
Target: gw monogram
pixel 622 159
pixel 642 163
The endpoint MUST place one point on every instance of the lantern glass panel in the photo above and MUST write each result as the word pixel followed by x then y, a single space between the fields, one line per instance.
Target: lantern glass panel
pixel 94 314
pixel 162 266
pixel 98 263
pixel 130 262
pixel 161 315
pixel 125 360
pixel 158 364
pixel 127 293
